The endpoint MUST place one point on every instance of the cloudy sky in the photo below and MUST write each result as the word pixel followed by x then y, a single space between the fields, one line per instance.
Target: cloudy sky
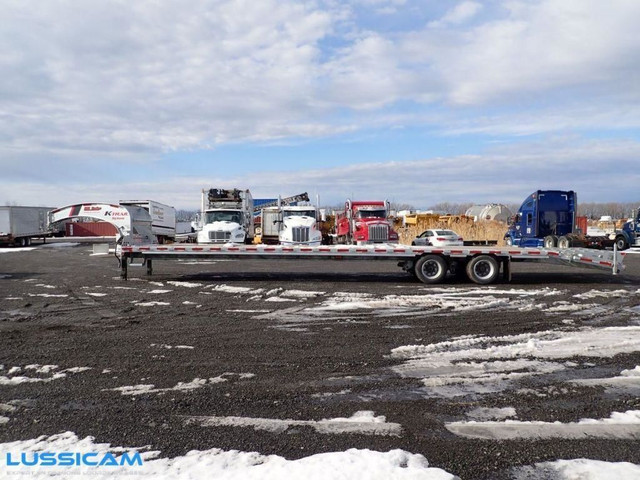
pixel 417 101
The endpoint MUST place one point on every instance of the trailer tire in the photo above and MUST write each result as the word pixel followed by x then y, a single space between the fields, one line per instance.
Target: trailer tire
pixel 621 243
pixel 564 242
pixel 550 241
pixel 431 269
pixel 483 269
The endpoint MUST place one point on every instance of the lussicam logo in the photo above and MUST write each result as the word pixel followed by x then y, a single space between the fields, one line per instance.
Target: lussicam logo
pixel 73 459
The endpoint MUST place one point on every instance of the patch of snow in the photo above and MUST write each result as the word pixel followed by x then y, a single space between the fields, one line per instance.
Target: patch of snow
pixel 169 347
pixel 48 295
pixel 490 364
pixel 4 420
pixel 363 422
pixel 620 425
pixel 184 284
pixel 96 294
pixel 578 469
pixel 180 386
pixel 603 293
pixel 235 465
pixel 157 291
pixel 151 304
pixel 14 298
pixel 43 285
pixel 15 250
pixel 279 299
pixel 248 311
pixel 485 413
pixel 230 289
pixel 301 293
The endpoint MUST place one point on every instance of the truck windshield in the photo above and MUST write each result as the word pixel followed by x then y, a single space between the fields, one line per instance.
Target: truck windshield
pixel 372 213
pixel 299 213
pixel 223 216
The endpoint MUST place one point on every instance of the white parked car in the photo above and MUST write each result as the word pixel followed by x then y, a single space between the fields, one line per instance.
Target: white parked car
pixel 438 238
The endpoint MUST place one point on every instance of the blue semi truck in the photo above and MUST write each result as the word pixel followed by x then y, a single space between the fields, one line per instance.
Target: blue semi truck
pixel 629 236
pixel 547 218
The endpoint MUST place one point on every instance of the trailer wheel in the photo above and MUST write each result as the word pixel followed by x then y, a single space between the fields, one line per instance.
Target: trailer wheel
pixel 483 269
pixel 550 241
pixel 564 242
pixel 621 243
pixel 431 269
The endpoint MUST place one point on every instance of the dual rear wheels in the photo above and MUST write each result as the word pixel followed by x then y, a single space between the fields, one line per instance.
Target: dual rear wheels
pixel 482 269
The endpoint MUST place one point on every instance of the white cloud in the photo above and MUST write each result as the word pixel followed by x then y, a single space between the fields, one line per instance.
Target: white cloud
pixel 459 14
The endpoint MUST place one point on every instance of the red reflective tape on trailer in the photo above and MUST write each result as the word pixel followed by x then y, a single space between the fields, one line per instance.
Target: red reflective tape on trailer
pixel 534 252
pixel 588 260
pixel 553 254
pixel 361 250
pixel 474 252
pixel 196 249
pixel 456 252
pixel 437 251
pixel 607 264
pixel 324 249
pixel 306 249
pixel 127 249
pixel 514 252
pixel 215 249
pixel 162 249
pixel 399 250
pixel 380 250
pixel 251 249
pixel 144 249
pixel 233 249
pixel 342 250
pixel 269 250
pixel 287 249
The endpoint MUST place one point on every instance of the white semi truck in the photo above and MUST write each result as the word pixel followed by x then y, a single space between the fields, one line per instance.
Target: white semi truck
pixel 226 216
pixel 300 226
pixel 18 225
pixel 163 218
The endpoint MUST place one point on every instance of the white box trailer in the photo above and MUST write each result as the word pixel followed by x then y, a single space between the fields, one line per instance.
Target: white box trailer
pixel 18 225
pixel 163 218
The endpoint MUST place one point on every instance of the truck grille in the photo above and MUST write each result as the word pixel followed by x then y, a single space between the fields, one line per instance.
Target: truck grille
pixel 378 233
pixel 220 236
pixel 300 234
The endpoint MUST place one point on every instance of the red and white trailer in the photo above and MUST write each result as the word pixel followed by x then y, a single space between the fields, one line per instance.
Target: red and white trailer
pixel 430 265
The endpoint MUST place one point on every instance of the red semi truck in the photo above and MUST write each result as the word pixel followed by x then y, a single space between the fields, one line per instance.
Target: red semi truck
pixel 364 223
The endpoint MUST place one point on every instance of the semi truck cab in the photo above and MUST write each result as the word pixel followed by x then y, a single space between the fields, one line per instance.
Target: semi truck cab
pixel 544 214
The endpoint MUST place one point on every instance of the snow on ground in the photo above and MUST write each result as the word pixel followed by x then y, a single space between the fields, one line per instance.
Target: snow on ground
pixel 362 422
pixel 491 364
pixel 141 389
pixel 628 381
pixel 14 250
pixel 150 304
pixel 169 347
pixel 486 413
pixel 226 465
pixel 184 284
pixel 47 373
pixel 579 469
pixel 621 425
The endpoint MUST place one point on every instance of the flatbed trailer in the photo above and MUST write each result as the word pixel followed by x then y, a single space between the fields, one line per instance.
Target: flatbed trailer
pixel 430 265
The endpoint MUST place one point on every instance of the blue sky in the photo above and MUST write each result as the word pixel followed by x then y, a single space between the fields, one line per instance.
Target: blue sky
pixel 416 101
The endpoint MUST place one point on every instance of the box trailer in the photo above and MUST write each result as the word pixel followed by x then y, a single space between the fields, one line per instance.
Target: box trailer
pixel 163 218
pixel 18 225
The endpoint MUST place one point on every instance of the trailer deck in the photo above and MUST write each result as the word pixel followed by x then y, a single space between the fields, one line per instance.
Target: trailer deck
pixel 428 264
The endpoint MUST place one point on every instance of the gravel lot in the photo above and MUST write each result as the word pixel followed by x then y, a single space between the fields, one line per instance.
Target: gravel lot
pixel 302 342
